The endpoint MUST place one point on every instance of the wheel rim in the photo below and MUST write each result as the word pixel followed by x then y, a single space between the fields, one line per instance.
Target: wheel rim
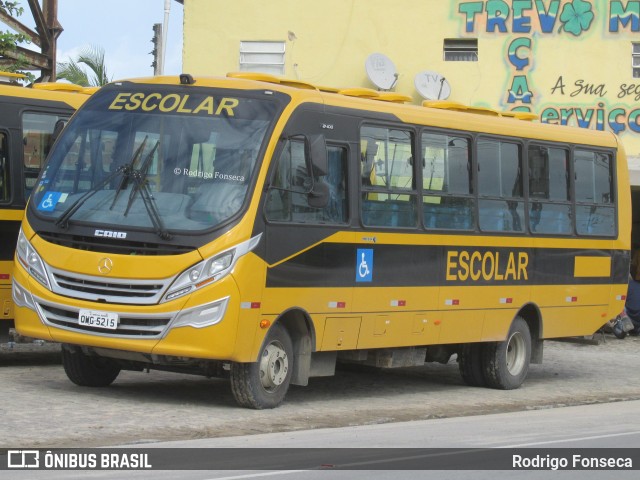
pixel 516 353
pixel 274 366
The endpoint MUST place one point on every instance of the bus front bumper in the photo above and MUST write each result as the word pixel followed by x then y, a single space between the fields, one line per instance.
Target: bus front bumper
pixel 194 327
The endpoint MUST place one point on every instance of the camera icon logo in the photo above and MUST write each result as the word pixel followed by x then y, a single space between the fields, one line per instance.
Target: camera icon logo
pixel 23 459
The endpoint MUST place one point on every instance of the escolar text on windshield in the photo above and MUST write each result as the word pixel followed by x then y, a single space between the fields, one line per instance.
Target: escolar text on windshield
pixel 174 102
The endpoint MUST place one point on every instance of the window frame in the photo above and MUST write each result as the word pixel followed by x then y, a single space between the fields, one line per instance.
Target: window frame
pixel 8 169
pixel 274 170
pixel 460 50
pixel 357 189
pixel 431 193
pixel 27 169
pixel 270 67
pixel 525 199
pixel 613 186
pixel 413 193
pixel 570 202
pixel 521 199
pixel 635 59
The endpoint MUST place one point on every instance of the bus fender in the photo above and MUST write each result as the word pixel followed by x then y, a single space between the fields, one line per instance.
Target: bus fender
pixel 300 327
pixel 531 314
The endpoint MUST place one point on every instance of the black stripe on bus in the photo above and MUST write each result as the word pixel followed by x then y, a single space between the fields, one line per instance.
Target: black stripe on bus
pixel 336 265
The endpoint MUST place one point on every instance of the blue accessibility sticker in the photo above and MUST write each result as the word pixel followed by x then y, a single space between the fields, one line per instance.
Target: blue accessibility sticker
pixel 364 265
pixel 49 201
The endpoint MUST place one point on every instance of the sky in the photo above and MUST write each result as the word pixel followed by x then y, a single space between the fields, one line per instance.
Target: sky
pixel 123 28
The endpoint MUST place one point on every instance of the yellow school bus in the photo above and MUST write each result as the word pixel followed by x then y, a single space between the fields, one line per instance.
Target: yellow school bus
pixel 29 118
pixel 266 229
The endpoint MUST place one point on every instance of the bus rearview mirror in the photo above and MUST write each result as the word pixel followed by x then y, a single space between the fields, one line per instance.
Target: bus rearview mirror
pixel 318 197
pixel 318 153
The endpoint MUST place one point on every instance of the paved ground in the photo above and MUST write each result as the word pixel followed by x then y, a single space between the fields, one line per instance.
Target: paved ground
pixel 41 408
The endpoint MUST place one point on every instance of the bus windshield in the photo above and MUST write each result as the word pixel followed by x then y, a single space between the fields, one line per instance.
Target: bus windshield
pixel 140 158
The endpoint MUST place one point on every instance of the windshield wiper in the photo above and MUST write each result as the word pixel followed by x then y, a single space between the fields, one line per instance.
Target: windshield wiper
pixel 63 219
pixel 142 173
pixel 140 185
pixel 128 171
pixel 124 170
pixel 149 203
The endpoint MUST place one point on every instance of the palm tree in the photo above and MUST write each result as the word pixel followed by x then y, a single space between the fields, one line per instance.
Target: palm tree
pixel 73 72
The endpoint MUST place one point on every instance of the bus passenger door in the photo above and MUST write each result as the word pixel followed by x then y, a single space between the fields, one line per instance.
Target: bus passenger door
pixel 307 245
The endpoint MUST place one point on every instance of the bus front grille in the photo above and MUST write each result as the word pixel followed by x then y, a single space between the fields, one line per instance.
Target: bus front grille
pixel 129 325
pixel 109 291
pixel 107 288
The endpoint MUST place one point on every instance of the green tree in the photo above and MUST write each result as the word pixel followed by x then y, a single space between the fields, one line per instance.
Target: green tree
pixel 93 59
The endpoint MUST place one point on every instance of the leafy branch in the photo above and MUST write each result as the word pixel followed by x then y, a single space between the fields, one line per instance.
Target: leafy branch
pixel 93 59
pixel 9 40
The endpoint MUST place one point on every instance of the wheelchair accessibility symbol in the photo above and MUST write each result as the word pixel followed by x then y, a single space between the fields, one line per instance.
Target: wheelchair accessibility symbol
pixel 364 265
pixel 49 201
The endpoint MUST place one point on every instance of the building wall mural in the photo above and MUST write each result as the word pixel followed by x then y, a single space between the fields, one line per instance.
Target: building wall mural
pixel 603 95
pixel 567 61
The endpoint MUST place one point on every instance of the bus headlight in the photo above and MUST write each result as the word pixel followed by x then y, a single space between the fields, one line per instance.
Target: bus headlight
pixel 209 270
pixel 31 261
pixel 201 274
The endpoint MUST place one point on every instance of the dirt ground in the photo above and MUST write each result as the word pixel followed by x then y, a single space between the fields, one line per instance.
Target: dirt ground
pixel 40 407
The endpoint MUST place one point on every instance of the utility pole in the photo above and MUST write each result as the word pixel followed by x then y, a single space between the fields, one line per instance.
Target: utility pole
pixel 165 30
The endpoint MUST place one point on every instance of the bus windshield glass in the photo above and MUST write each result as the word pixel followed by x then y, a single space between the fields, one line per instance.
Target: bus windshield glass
pixel 141 157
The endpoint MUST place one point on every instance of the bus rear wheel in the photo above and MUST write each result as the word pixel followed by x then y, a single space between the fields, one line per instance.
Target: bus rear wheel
pixel 264 384
pixel 88 371
pixel 470 364
pixel 506 363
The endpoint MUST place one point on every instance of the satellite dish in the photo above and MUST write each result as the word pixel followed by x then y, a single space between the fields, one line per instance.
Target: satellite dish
pixel 381 71
pixel 432 86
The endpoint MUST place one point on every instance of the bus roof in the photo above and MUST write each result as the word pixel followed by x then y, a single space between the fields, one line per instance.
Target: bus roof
pixel 67 93
pixel 443 114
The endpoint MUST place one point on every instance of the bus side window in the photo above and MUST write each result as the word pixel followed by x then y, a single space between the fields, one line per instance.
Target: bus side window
pixel 5 193
pixel 501 203
pixel 287 195
pixel 336 210
pixel 595 205
pixel 37 132
pixel 446 182
pixel 550 203
pixel 388 187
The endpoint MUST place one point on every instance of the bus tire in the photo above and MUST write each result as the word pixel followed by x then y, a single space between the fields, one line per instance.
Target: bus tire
pixel 506 363
pixel 470 364
pixel 89 371
pixel 264 384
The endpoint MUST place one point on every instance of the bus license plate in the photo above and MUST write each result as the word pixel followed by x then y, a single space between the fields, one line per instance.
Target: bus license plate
pixel 92 318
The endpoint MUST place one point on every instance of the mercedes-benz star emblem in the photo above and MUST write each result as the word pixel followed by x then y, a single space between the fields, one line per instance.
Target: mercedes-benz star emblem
pixel 105 265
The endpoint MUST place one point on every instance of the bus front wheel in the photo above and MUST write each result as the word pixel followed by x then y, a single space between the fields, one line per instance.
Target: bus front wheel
pixel 264 384
pixel 506 363
pixel 88 371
